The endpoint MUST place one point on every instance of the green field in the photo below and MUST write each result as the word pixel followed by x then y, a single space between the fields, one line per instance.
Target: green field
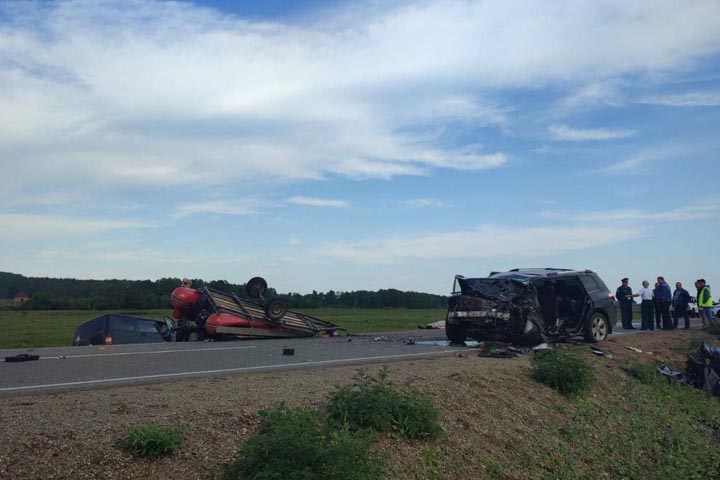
pixel 28 329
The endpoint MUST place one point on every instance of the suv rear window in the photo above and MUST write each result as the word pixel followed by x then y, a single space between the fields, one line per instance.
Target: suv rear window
pixel 589 283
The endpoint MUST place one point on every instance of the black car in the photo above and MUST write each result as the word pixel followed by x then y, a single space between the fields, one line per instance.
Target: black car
pixel 531 305
pixel 113 329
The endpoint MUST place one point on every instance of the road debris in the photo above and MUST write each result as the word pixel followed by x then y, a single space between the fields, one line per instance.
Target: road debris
pixel 597 351
pixel 22 357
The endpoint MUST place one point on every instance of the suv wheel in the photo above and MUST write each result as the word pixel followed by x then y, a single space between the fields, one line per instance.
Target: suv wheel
pixel 455 333
pixel 597 328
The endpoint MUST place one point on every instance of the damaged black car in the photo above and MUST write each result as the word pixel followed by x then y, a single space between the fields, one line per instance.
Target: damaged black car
pixel 530 306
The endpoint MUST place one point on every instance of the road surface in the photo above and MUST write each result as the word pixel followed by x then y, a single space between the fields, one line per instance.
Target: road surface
pixel 68 368
pixel 60 369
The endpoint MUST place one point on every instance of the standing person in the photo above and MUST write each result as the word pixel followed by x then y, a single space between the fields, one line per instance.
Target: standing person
pixel 624 295
pixel 704 301
pixel 680 301
pixel 646 306
pixel 656 306
pixel 663 298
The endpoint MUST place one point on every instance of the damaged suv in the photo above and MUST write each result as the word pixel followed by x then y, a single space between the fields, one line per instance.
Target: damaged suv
pixel 530 306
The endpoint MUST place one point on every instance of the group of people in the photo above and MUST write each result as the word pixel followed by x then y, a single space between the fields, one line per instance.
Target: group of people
pixel 655 304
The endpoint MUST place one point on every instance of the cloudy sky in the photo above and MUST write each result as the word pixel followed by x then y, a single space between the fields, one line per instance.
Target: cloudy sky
pixel 335 145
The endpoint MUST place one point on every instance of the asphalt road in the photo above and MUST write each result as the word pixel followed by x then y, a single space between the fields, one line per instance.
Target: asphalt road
pixel 69 368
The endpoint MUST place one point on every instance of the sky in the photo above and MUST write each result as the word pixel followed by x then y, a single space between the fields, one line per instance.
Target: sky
pixel 359 145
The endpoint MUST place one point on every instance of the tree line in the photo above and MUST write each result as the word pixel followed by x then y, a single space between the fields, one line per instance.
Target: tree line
pixel 72 294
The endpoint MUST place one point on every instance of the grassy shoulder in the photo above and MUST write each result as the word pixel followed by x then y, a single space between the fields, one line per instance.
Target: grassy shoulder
pixel 55 328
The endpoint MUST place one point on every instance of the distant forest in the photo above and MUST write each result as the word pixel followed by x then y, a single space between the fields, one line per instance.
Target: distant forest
pixel 72 294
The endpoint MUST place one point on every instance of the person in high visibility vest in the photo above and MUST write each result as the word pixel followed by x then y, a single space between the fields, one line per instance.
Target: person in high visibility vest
pixel 704 301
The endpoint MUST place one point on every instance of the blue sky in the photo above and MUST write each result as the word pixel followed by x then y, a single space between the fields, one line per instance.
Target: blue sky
pixel 334 145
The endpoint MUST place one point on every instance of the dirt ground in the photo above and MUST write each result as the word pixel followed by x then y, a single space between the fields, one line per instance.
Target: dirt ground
pixel 487 405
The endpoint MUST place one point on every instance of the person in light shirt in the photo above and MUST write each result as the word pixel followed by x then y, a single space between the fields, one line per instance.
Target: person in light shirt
pixel 646 306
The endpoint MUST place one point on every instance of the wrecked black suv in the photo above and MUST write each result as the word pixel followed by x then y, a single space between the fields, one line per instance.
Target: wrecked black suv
pixel 530 306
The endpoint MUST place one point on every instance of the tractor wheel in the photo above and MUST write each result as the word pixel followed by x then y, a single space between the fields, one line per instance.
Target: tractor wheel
pixel 256 287
pixel 276 309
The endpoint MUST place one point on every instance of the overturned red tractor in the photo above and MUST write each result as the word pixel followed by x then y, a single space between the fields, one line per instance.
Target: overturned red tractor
pixel 204 313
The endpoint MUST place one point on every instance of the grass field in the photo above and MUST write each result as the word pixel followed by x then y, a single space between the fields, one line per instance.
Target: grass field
pixel 32 329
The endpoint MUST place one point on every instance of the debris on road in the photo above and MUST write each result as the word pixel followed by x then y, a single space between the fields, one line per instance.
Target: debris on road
pixel 597 351
pixel 671 374
pixel 439 325
pixel 703 369
pixel 22 357
pixel 634 349
pixel 498 350
pixel 542 347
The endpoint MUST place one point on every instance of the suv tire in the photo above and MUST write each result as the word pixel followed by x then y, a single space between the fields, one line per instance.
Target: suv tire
pixel 455 333
pixel 597 328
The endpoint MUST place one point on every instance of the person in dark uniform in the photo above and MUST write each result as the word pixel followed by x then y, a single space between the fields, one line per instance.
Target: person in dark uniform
pixel 656 306
pixel 624 295
pixel 664 298
pixel 680 301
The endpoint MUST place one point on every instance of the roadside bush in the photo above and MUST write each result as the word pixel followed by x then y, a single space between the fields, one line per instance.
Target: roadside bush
pixel 296 444
pixel 563 371
pixel 152 441
pixel 643 373
pixel 375 403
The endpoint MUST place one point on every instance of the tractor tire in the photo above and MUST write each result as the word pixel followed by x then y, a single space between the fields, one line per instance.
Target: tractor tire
pixel 276 309
pixel 256 287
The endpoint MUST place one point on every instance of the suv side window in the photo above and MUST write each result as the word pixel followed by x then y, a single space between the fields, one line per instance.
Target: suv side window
pixel 589 283
pixel 147 326
pixel 122 324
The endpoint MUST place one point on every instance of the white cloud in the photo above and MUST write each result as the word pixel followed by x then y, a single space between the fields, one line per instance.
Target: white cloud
pixel 21 226
pixel 707 208
pixel 247 206
pixel 425 202
pixel 645 162
pixel 599 93
pixel 317 202
pixel 565 133
pixel 488 242
pixel 690 99
pixel 141 93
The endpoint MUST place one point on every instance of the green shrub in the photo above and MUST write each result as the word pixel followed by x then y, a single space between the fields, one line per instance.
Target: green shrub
pixel 296 444
pixel 152 441
pixel 563 371
pixel 646 374
pixel 375 403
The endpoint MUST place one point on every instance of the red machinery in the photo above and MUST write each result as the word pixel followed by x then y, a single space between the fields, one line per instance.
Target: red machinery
pixel 206 313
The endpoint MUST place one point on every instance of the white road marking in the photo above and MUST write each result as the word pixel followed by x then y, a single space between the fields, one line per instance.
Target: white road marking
pixel 153 352
pixel 224 370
